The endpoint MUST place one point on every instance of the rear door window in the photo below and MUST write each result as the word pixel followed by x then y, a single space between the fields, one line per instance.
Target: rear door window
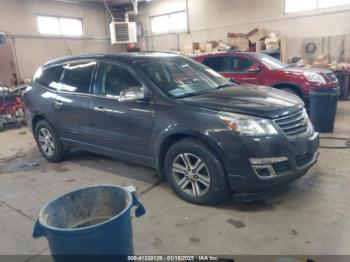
pixel 77 77
pixel 216 63
pixel 49 77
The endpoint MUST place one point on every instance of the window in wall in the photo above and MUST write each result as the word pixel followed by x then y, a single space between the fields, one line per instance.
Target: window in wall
pixel 331 3
pixel 169 23
pixel 51 25
pixel 293 6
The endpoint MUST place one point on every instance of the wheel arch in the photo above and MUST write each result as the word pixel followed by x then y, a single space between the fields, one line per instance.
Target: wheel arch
pixel 293 86
pixel 38 117
pixel 173 138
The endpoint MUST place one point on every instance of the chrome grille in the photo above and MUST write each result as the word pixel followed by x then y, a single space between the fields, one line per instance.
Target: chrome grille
pixel 293 124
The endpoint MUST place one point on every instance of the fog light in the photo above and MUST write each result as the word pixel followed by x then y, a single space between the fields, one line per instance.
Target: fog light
pixel 267 161
pixel 264 171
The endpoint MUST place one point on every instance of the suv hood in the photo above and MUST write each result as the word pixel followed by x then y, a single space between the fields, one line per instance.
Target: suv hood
pixel 305 69
pixel 255 100
pixel 327 74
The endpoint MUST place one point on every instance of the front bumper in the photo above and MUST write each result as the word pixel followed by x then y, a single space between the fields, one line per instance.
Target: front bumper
pixel 295 155
pixel 277 185
pixel 28 119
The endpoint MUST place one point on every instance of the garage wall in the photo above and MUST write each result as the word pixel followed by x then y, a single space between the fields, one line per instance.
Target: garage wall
pixel 18 19
pixel 211 20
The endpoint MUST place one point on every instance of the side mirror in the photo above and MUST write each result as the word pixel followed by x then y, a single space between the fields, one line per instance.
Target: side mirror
pixel 133 94
pixel 254 69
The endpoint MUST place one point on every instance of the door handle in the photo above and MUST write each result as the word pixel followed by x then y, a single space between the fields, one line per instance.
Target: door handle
pixel 58 104
pixel 99 108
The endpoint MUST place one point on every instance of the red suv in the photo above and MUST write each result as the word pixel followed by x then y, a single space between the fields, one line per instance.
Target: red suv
pixel 262 69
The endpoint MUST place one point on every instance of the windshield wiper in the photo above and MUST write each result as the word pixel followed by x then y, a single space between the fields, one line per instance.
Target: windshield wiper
pixel 206 91
pixel 187 95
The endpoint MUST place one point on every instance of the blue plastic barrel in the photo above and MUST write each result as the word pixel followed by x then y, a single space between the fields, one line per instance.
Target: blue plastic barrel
pixel 89 224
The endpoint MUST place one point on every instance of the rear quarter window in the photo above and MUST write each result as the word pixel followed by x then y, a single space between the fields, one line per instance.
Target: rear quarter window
pixel 49 77
pixel 77 77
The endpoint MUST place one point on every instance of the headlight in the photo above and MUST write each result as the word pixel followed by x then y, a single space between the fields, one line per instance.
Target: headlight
pixel 248 125
pixel 314 77
pixel 310 127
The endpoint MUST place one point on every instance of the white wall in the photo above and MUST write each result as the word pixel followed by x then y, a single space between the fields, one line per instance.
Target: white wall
pixel 212 19
pixel 18 18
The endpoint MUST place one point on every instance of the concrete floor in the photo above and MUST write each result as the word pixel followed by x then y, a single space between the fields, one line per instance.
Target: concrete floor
pixel 310 217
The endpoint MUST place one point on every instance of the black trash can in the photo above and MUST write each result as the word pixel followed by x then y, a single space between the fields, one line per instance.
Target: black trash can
pixel 89 224
pixel 344 84
pixel 323 108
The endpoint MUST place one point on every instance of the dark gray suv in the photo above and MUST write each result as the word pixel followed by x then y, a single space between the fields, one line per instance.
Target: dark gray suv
pixel 206 135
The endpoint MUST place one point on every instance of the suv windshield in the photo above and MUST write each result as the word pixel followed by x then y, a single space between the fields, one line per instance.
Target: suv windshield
pixel 269 61
pixel 181 77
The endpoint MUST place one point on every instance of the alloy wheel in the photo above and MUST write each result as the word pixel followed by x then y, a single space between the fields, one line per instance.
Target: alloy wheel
pixel 191 174
pixel 46 141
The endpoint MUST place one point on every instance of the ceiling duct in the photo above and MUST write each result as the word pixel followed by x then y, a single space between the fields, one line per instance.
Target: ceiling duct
pixel 135 6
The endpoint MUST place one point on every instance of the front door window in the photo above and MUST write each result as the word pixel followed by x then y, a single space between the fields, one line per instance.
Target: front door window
pixel 113 79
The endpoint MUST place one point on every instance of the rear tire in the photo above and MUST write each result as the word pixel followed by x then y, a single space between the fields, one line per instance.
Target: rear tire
pixel 195 173
pixel 48 142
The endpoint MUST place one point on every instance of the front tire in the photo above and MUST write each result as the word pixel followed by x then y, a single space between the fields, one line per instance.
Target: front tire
pixel 48 142
pixel 195 173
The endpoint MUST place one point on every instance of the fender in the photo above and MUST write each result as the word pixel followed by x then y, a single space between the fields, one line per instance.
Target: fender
pixel 180 133
pixel 51 121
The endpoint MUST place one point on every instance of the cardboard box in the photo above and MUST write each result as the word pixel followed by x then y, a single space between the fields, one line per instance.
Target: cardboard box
pixel 208 47
pixel 214 44
pixel 272 46
pixel 187 50
pixel 260 46
pixel 234 35
pixel 195 46
pixel 272 43
pixel 321 61
pixel 271 40
pixel 238 41
pixel 256 34
pixel 241 44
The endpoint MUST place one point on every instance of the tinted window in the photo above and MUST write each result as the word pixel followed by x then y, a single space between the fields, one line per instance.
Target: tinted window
pixel 237 64
pixel 113 79
pixel 215 63
pixel 49 77
pixel 77 77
